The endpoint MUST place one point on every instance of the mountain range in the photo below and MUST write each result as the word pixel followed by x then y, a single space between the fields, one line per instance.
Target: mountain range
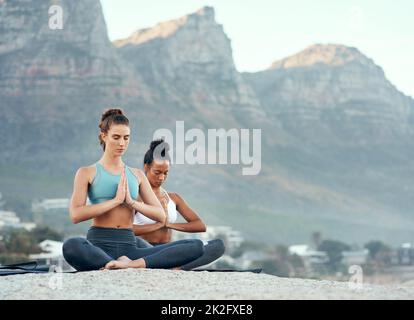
pixel 336 134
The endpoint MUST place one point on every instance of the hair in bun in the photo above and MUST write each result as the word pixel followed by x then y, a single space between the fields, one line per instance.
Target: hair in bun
pixel 109 117
pixel 158 150
pixel 111 112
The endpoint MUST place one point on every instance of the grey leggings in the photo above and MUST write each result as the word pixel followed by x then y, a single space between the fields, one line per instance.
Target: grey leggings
pixel 213 250
pixel 106 244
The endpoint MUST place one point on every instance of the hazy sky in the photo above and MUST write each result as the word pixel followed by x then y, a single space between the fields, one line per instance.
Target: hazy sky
pixel 263 31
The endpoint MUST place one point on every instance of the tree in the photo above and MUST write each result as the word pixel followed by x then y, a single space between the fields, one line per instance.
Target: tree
pixel 13 258
pixel 3 248
pixel 378 252
pixel 316 239
pixel 42 233
pixel 281 252
pixel 22 242
pixel 18 244
pixel 334 251
pixel 245 246
pixel 375 247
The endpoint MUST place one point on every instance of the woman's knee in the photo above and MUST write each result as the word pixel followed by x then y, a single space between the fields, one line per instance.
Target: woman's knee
pixel 72 246
pixel 217 246
pixel 197 246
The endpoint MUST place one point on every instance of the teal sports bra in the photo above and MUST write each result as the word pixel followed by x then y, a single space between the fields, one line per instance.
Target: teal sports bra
pixel 105 185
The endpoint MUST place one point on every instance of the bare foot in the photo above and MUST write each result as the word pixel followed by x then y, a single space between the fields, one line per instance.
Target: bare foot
pixel 124 259
pixel 120 263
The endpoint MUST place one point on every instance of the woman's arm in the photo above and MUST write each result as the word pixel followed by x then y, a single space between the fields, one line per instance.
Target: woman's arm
pixel 151 207
pixel 78 209
pixel 147 228
pixel 194 222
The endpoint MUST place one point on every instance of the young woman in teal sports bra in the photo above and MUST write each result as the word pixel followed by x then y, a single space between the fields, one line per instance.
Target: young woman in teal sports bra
pixel 113 189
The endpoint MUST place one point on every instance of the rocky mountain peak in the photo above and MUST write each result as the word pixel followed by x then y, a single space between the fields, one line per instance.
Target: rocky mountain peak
pixel 191 57
pixel 26 22
pixel 338 86
pixel 200 19
pixel 206 12
pixel 326 54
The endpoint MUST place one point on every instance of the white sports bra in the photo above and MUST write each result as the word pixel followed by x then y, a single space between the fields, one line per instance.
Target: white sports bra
pixel 172 214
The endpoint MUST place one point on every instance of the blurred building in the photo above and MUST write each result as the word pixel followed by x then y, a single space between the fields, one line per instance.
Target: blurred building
pixel 359 257
pixel 403 255
pixel 249 258
pixel 9 219
pixel 50 204
pixel 309 256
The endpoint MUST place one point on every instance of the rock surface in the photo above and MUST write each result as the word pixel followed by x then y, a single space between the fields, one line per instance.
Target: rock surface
pixel 177 285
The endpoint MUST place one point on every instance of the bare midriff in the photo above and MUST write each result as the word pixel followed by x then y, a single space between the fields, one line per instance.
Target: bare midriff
pixel 120 217
pixel 162 235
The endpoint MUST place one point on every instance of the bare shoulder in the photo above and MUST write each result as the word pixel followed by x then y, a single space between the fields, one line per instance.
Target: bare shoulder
pixel 87 173
pixel 139 174
pixel 175 197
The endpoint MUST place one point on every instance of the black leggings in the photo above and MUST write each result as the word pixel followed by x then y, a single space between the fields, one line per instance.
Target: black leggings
pixel 213 250
pixel 106 244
